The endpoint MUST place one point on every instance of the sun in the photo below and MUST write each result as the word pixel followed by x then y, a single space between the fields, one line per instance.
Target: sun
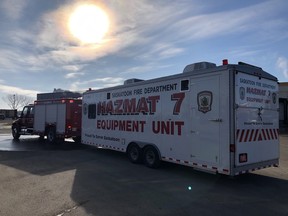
pixel 89 24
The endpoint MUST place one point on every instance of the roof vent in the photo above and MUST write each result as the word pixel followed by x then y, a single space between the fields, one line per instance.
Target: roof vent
pixel 133 80
pixel 198 66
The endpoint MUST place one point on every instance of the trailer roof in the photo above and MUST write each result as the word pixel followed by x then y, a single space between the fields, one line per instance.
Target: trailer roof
pixel 240 67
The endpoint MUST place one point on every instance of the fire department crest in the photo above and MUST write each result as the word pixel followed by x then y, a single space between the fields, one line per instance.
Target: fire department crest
pixel 204 100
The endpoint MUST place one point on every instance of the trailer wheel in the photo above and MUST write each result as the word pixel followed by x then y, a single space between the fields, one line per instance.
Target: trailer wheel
pixel 15 132
pixel 51 135
pixel 151 157
pixel 134 153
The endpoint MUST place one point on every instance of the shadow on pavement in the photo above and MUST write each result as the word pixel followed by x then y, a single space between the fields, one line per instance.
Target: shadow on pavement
pixel 106 183
pixel 129 189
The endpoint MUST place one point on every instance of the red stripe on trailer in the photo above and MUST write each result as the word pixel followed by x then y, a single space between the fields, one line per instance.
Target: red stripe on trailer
pixel 247 134
pixel 263 132
pixel 260 137
pixel 237 133
pixel 268 134
pixel 242 134
pixel 251 135
pixel 275 133
pixel 256 135
pixel 271 133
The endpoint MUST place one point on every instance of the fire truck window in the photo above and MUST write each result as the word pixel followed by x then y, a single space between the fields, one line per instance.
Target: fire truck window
pixel 25 111
pixel 31 112
pixel 91 111
pixel 184 85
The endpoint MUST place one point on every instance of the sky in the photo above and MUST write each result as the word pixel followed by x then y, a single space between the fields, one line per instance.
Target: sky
pixel 144 39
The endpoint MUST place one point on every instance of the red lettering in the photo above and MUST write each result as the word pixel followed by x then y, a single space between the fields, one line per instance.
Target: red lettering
pixel 152 100
pixel 178 97
pixel 124 125
pixel 179 124
pixel 128 126
pixel 101 108
pixel 118 104
pixel 142 106
pixel 110 108
pixel 156 129
pixel 129 106
pixel 98 124
pixel 167 127
pixel 142 123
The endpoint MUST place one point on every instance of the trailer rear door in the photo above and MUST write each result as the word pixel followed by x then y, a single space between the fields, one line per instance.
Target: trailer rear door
pixel 205 119
pixel 256 134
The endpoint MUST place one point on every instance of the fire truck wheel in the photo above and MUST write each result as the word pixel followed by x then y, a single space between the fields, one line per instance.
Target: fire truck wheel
pixel 151 157
pixel 15 132
pixel 41 138
pixel 51 135
pixel 134 153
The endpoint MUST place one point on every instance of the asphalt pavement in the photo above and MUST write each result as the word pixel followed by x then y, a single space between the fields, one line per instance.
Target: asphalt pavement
pixel 69 179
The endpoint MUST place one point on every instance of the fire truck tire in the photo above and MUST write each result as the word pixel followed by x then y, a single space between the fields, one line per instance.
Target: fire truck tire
pixel 41 138
pixel 151 157
pixel 51 135
pixel 134 153
pixel 15 132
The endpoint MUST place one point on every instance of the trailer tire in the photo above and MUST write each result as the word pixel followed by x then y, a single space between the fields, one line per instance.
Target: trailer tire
pixel 15 132
pixel 51 135
pixel 151 157
pixel 134 153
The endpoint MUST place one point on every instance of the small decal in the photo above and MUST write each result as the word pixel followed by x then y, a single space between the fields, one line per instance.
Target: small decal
pixel 242 93
pixel 204 100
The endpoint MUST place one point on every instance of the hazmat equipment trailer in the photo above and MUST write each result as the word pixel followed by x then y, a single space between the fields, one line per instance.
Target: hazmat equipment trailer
pixel 219 119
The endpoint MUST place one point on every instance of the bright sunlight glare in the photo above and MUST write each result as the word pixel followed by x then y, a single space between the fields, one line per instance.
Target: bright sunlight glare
pixel 89 24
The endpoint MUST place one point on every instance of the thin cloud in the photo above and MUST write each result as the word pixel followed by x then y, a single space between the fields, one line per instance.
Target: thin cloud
pixel 13 9
pixel 73 75
pixel 144 69
pixel 15 90
pixel 282 64
pixel 97 83
pixel 226 22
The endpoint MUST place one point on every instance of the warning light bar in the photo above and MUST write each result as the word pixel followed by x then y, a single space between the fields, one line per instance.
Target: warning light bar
pixel 225 62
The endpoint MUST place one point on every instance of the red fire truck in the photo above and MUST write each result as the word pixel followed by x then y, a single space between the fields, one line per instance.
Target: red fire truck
pixel 55 118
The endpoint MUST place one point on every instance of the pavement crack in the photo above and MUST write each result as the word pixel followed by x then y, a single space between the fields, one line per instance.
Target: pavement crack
pixel 72 208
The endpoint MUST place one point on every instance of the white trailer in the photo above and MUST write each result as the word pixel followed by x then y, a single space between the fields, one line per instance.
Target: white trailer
pixel 220 119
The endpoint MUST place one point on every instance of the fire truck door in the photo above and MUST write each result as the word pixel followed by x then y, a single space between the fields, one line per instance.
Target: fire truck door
pixel 205 119
pixel 27 116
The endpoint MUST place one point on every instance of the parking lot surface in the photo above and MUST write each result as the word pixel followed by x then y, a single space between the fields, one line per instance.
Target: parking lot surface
pixel 38 179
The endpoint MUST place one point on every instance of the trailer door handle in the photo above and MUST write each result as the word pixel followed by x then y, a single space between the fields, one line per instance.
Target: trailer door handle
pixel 216 120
